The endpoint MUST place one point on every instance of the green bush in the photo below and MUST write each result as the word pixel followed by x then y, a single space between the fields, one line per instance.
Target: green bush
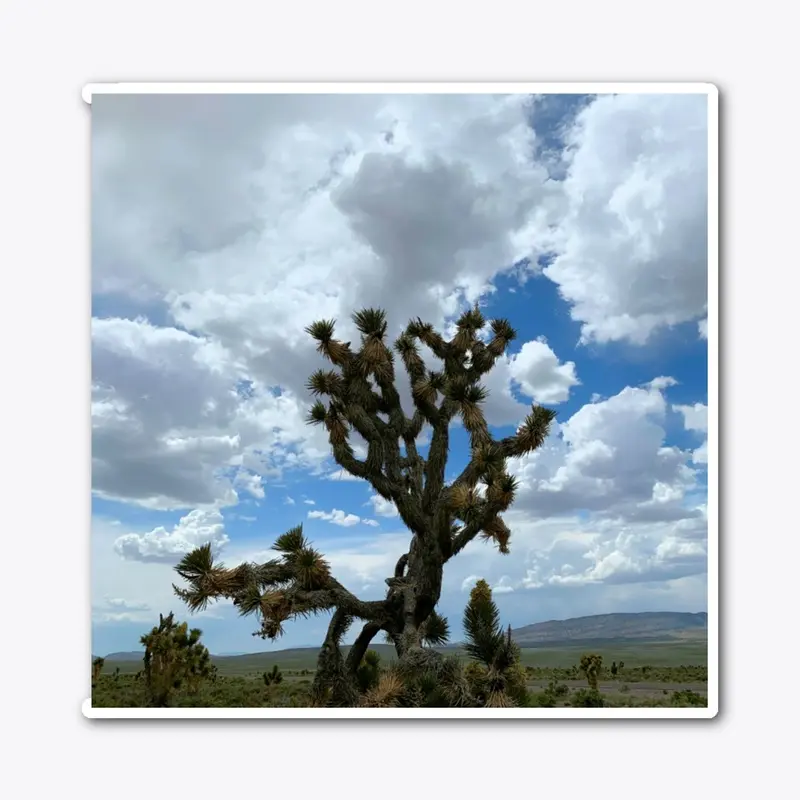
pixel 587 698
pixel 686 697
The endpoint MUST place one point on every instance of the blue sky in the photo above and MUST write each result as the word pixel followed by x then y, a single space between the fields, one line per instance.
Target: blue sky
pixel 223 225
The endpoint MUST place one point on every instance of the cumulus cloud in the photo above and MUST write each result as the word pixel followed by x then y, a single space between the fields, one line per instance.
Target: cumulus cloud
pixel 170 428
pixel 341 475
pixel 606 552
pixel 336 517
pixel 610 458
pixel 383 507
pixel 695 418
pixel 197 528
pixel 118 609
pixel 250 482
pixel 503 586
pixel 631 249
pixel 469 582
pixel 540 376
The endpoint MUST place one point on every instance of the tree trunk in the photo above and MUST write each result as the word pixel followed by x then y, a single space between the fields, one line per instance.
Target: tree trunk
pixel 413 594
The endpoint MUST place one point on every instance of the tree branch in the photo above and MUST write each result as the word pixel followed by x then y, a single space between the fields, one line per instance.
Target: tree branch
pixel 359 648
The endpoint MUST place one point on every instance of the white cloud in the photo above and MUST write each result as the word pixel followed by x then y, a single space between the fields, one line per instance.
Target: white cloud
pixel 310 502
pixel 631 249
pixel 170 430
pixel 702 328
pixel 503 586
pixel 117 609
pixel 540 375
pixel 469 582
pixel 662 382
pixel 341 475
pixel 250 482
pixel 289 501
pixel 602 552
pixel 336 517
pixel 610 458
pixel 198 527
pixel 383 507
pixel 695 418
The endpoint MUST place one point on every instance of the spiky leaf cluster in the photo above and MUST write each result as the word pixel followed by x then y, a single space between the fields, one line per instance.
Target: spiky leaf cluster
pixel 296 584
pixel 439 683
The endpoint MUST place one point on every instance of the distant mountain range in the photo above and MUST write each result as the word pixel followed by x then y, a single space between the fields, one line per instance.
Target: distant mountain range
pixel 641 627
pixel 647 626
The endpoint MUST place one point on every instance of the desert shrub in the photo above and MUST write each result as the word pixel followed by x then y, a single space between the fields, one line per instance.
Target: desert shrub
pixel 587 698
pixel 686 697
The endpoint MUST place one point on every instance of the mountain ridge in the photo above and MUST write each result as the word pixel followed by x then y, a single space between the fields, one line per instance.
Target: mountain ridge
pixel 594 629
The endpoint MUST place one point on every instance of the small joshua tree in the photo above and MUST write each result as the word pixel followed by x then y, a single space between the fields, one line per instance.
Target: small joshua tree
pixel 274 677
pixel 97 668
pixel 614 668
pixel 591 665
pixel 173 656
pixel 498 680
pixel 369 671
pixel 359 396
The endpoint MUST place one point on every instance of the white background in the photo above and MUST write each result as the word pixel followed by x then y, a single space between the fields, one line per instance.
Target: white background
pixel 48 52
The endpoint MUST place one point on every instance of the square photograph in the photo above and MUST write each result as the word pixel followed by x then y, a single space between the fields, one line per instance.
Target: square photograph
pixel 401 401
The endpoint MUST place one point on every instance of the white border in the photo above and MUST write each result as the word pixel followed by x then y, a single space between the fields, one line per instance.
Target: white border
pixel 394 713
pixel 401 87
pixel 712 93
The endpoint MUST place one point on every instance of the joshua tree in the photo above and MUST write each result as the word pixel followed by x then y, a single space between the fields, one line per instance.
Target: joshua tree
pixel 498 678
pixel 359 394
pixel 173 655
pixel 591 665
pixel 369 671
pixel 273 677
pixel 97 668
